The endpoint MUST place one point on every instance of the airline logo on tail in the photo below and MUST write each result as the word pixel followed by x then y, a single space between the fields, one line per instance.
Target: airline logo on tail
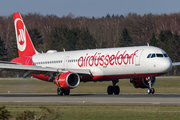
pixel 21 36
pixel 24 43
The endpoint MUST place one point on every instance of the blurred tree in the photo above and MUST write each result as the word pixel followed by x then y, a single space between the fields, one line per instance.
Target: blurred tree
pixel 121 16
pixel 14 50
pixel 125 39
pixel 165 41
pixel 70 39
pixel 85 40
pixel 108 16
pixel 55 39
pixel 36 38
pixel 3 51
pixel 113 16
pixel 153 41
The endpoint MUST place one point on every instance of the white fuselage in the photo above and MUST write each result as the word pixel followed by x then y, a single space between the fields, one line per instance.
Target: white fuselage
pixel 126 61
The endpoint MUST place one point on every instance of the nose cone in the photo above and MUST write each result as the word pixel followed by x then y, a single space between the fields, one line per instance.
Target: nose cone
pixel 166 65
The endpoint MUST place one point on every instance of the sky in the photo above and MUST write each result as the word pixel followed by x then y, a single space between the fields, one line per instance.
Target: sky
pixel 89 8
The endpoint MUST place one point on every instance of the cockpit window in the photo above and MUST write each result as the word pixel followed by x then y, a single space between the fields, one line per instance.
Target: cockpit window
pixel 159 55
pixel 149 56
pixel 165 55
pixel 153 55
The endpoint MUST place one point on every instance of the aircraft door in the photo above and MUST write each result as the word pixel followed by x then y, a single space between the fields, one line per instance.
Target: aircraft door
pixel 105 62
pixel 66 62
pixel 138 56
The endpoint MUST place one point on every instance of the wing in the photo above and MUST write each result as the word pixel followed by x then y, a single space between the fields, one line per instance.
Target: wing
pixel 27 69
pixel 176 64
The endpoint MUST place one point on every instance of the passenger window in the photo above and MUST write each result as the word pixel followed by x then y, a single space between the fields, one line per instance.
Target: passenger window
pixel 149 56
pixel 159 55
pixel 153 55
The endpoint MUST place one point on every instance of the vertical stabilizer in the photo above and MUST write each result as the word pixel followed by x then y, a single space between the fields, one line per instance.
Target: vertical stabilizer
pixel 24 43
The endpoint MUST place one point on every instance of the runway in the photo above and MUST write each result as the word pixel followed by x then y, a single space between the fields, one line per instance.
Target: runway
pixel 140 99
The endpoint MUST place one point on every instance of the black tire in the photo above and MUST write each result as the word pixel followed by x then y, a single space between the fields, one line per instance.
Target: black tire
pixel 116 90
pixel 66 92
pixel 110 90
pixel 152 90
pixel 60 91
pixel 148 90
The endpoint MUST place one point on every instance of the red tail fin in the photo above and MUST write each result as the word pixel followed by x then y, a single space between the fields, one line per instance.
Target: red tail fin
pixel 24 43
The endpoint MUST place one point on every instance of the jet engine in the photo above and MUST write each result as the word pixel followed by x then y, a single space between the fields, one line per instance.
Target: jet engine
pixel 67 80
pixel 142 82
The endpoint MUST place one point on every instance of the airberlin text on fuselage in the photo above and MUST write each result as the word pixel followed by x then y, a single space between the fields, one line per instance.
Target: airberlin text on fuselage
pixel 99 59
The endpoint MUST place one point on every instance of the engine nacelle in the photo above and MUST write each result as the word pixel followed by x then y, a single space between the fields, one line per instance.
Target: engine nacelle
pixel 67 80
pixel 142 82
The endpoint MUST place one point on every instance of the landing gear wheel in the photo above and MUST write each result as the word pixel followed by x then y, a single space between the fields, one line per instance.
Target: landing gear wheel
pixel 152 90
pixel 60 91
pixel 116 90
pixel 148 90
pixel 66 92
pixel 110 90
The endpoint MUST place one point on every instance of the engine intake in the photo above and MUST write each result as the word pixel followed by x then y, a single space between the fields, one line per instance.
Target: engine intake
pixel 67 80
pixel 142 82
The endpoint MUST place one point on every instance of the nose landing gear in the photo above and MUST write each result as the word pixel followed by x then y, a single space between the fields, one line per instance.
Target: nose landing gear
pixel 150 90
pixel 113 89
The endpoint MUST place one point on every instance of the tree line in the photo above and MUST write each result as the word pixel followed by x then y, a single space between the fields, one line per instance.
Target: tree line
pixel 75 33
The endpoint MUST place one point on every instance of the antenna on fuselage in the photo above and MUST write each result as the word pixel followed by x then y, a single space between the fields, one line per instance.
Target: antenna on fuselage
pixel 64 49
pixel 147 44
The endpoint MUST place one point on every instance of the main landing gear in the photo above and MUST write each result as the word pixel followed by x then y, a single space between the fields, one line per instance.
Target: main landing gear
pixel 150 90
pixel 61 91
pixel 113 89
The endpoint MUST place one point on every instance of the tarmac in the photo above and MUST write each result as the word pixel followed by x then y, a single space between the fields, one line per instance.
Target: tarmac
pixel 124 99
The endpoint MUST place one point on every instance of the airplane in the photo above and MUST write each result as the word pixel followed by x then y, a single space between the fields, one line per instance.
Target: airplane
pixel 67 69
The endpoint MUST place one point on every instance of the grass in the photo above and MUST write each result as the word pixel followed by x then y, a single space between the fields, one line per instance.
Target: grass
pixel 37 86
pixel 105 112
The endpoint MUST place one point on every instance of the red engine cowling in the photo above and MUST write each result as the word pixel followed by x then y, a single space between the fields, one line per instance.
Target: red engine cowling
pixel 67 80
pixel 142 82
